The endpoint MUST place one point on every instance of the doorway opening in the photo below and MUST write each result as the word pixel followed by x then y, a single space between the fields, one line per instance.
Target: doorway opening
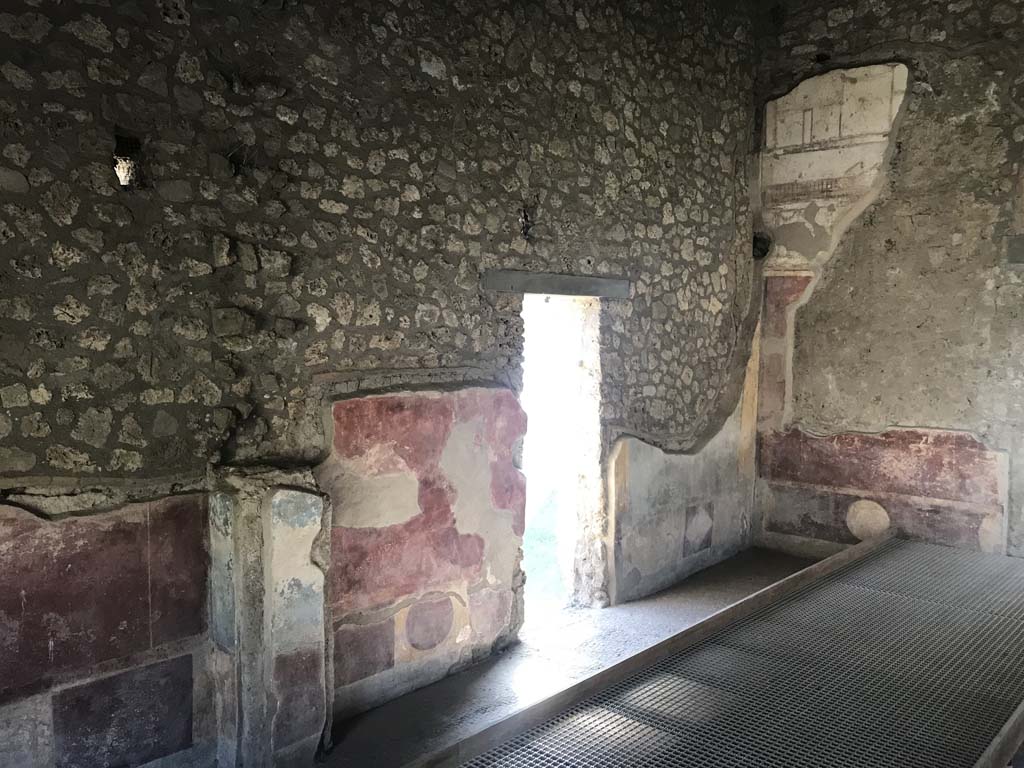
pixel 562 450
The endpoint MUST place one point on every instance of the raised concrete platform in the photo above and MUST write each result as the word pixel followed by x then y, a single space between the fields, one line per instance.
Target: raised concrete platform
pixel 552 656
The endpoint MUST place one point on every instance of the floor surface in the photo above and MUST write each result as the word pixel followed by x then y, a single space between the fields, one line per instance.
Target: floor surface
pixel 551 656
pixel 910 656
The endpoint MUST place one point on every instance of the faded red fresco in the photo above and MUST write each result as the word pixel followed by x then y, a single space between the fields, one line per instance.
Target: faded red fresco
pixel 936 485
pixel 86 590
pixel 780 292
pixel 372 567
pixel 927 463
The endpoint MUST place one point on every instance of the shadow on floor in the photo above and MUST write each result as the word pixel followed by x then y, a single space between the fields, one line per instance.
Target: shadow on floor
pixel 551 656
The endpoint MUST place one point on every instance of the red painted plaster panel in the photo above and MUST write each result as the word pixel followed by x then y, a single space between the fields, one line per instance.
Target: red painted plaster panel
pixel 373 567
pixel 780 293
pixel 821 514
pixel 72 594
pixel 772 384
pixel 177 539
pixel 86 590
pixel 377 566
pixel 950 466
pixel 298 687
pixel 415 428
pixel 363 650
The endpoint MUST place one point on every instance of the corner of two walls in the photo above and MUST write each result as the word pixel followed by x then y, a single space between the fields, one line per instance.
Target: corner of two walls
pixel 672 514
pixel 267 616
pixel 186 631
pixel 829 144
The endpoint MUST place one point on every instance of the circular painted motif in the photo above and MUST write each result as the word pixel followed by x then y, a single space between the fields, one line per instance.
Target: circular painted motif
pixel 429 622
pixel 867 519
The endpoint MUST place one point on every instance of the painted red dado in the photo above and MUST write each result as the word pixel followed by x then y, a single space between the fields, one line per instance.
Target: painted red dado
pixel 424 568
pixel 936 485
pixel 82 591
pixel 935 464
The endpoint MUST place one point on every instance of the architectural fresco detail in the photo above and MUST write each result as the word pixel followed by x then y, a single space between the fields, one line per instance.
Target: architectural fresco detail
pixel 909 332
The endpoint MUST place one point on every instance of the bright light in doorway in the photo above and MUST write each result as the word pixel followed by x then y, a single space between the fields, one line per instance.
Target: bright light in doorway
pixel 561 457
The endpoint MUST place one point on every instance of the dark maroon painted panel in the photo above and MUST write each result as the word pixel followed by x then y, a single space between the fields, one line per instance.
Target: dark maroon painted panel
pixel 925 463
pixel 363 650
pixel 298 683
pixel 125 720
pixel 82 591
pixel 178 536
pixel 72 594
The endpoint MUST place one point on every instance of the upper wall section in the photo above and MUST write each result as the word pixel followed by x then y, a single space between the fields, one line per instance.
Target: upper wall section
pixel 825 146
pixel 318 189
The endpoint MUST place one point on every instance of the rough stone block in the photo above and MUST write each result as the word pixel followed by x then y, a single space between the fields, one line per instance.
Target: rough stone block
pixel 230 321
pixel 128 719
pixel 1015 250
pixel 13 181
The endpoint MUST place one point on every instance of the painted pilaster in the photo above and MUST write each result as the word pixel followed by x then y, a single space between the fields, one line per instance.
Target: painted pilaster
pixel 268 618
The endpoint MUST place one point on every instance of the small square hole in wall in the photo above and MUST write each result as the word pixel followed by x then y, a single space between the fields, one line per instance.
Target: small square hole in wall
pixel 1015 250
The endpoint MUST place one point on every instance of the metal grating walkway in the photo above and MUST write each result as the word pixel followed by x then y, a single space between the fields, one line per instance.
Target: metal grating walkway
pixel 912 657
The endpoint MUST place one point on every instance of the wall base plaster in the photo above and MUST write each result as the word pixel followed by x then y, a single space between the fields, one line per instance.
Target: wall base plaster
pixel 675 514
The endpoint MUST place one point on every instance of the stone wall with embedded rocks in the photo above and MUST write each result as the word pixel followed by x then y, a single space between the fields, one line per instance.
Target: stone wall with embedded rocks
pixel 317 188
pixel 917 320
